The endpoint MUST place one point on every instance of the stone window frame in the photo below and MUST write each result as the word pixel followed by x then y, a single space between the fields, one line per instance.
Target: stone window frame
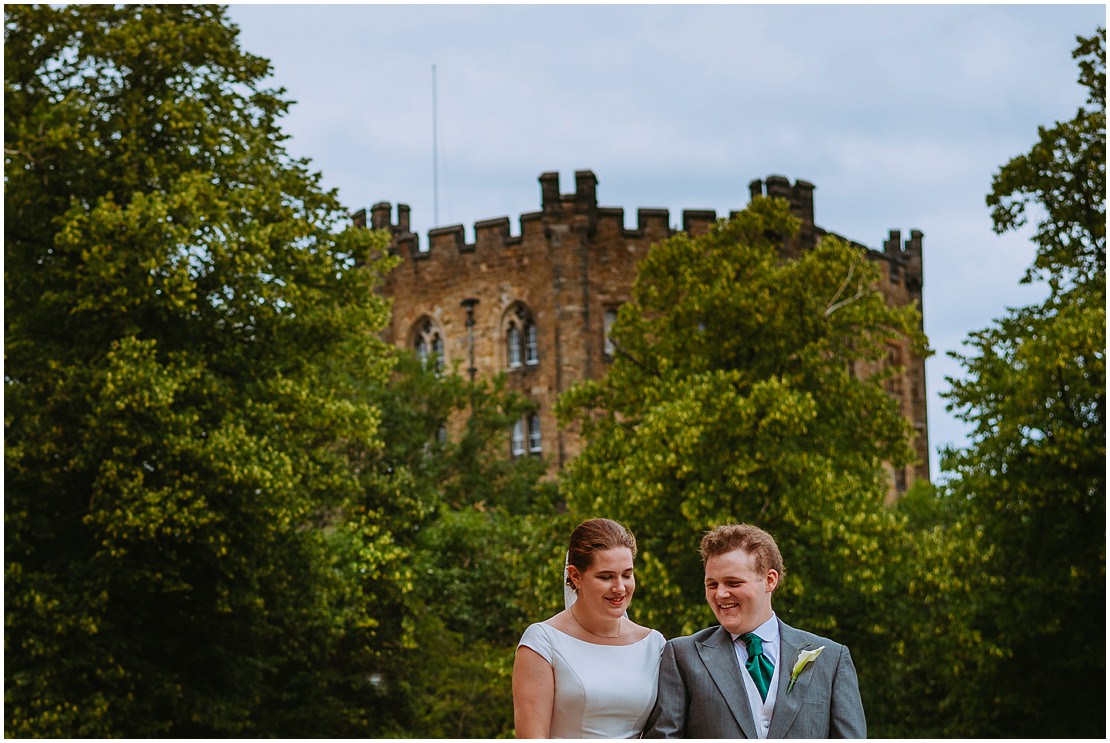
pixel 427 339
pixel 531 343
pixel 513 345
pixel 608 319
pixel 521 336
pixel 526 436
pixel 517 439
pixel 535 436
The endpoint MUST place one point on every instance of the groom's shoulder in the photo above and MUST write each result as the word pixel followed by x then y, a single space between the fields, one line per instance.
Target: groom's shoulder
pixel 801 636
pixel 698 637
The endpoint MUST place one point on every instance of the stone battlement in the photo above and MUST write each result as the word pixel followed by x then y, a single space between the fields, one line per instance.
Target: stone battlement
pixel 580 210
pixel 493 234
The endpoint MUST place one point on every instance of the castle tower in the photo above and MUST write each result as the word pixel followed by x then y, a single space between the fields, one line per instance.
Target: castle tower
pixel 538 305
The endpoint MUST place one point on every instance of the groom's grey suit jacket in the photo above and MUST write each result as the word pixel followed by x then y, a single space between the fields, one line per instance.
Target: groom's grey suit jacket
pixel 702 695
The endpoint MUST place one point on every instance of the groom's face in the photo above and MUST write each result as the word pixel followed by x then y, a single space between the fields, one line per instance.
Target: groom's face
pixel 738 594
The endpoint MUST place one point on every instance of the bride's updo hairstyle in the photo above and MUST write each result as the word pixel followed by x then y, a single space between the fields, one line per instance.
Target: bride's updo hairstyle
pixel 596 535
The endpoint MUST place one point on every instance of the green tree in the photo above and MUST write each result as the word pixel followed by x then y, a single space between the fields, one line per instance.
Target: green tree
pixel 484 562
pixel 482 576
pixel 1061 183
pixel 925 679
pixel 199 538
pixel 1034 475
pixel 733 397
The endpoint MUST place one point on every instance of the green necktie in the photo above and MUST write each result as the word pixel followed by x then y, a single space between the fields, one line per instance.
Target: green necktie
pixel 759 665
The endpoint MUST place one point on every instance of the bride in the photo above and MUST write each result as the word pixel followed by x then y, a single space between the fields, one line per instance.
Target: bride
pixel 589 671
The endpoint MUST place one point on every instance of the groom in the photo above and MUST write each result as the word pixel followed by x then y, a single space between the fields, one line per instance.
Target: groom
pixel 753 676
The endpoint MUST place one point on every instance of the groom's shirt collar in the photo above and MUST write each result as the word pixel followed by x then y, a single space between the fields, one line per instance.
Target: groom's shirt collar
pixel 769 633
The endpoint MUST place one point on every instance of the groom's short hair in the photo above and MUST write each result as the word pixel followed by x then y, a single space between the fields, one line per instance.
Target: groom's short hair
pixel 751 539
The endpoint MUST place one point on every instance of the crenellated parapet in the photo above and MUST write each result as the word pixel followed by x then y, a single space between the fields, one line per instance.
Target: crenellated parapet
pixel 905 260
pixel 800 196
pixel 583 201
pixel 578 212
pixel 405 241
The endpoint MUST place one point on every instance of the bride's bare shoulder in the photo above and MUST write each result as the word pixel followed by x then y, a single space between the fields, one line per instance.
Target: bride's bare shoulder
pixel 640 631
pixel 562 622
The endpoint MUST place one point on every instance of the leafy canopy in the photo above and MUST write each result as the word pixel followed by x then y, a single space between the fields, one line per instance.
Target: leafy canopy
pixel 1033 478
pixel 197 542
pixel 734 397
pixel 1061 184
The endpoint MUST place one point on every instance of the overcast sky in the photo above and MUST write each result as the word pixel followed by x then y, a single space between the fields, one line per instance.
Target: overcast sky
pixel 899 114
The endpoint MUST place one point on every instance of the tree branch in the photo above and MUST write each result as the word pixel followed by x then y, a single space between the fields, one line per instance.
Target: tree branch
pixel 834 305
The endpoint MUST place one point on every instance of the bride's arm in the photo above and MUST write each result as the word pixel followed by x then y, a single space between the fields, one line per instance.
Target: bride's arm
pixel 533 694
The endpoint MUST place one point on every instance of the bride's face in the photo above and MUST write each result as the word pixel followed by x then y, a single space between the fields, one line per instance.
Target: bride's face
pixel 608 583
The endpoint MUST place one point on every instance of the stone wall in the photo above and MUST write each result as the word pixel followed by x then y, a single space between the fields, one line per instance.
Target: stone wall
pixel 567 265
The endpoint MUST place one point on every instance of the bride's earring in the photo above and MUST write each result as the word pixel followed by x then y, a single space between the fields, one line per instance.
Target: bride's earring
pixel 570 590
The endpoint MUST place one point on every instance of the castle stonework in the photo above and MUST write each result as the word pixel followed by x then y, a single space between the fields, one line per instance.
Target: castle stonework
pixel 538 305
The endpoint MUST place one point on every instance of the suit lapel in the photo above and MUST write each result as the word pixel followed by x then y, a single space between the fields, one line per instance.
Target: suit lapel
pixel 719 658
pixel 791 642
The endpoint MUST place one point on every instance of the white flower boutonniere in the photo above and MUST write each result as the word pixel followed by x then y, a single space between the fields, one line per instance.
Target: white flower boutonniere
pixel 804 659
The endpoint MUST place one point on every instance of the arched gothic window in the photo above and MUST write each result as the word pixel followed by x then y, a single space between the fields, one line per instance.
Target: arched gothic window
pixel 428 343
pixel 522 345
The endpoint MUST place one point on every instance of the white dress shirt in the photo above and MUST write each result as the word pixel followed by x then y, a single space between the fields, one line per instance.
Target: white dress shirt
pixel 762 709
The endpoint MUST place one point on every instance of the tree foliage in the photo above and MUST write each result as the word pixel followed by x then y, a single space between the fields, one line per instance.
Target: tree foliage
pixel 928 656
pixel 484 562
pixel 501 572
pixel 739 393
pixel 198 540
pixel 733 397
pixel 1061 184
pixel 230 510
pixel 1034 475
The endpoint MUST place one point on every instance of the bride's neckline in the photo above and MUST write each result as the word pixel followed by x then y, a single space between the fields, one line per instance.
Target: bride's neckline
pixel 597 644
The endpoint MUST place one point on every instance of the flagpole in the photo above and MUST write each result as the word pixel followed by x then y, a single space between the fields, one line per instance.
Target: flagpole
pixel 435 155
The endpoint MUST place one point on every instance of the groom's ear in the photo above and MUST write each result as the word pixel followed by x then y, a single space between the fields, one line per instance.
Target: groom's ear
pixel 772 580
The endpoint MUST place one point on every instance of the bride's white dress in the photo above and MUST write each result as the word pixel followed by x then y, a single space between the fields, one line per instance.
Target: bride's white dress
pixel 601 691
